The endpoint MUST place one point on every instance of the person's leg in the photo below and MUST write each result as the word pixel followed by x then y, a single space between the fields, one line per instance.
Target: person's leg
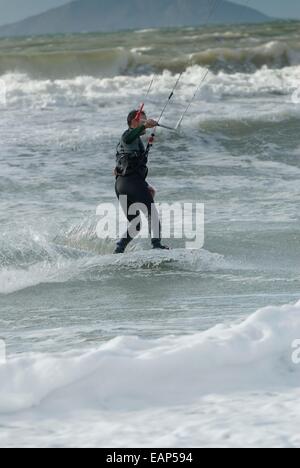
pixel 134 227
pixel 137 192
pixel 145 198
pixel 134 221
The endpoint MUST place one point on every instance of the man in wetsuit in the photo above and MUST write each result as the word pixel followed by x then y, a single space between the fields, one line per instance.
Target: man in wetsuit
pixel 131 173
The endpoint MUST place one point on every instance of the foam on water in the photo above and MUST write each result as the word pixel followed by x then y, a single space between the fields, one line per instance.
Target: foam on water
pixel 128 373
pixel 60 269
pixel 21 90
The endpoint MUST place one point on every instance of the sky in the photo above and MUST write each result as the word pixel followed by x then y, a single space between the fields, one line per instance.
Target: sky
pixel 14 10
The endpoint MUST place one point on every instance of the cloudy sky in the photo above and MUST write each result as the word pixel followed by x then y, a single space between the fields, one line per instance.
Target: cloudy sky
pixel 14 10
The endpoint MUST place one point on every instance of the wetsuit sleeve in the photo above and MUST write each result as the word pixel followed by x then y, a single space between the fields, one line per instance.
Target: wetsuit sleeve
pixel 132 134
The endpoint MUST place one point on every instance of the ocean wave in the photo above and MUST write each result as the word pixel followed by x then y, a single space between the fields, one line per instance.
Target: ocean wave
pixel 264 82
pixel 217 36
pixel 145 31
pixel 71 265
pixel 77 255
pixel 129 373
pixel 272 54
pixel 66 64
pixel 21 90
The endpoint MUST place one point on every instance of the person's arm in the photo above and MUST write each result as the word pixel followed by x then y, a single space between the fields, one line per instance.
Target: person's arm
pixel 134 133
pixel 152 190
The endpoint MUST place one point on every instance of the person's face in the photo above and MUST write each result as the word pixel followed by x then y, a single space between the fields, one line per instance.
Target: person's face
pixel 143 120
pixel 136 123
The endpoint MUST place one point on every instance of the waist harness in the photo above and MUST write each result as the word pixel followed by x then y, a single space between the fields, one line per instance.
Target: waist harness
pixel 128 163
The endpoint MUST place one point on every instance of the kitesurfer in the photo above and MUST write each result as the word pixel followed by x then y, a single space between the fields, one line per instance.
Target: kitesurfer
pixel 131 186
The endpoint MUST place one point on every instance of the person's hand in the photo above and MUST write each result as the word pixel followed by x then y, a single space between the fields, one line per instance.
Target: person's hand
pixel 152 191
pixel 150 123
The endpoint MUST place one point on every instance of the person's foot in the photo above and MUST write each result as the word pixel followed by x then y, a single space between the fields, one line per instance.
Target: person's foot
pixel 121 246
pixel 119 250
pixel 159 246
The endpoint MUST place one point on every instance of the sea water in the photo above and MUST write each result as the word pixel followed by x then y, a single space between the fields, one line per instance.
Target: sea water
pixel 171 349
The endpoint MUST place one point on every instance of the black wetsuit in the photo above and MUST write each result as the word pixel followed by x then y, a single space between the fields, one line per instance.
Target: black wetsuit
pixel 131 182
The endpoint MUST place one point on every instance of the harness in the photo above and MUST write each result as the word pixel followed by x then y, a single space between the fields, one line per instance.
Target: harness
pixel 130 162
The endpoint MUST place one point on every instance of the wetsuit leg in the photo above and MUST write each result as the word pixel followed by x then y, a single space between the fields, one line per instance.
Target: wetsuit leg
pixel 137 191
pixel 134 220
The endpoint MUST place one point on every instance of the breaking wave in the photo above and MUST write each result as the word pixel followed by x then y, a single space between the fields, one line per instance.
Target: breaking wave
pixel 253 356
pixel 272 54
pixel 67 64
pixel 77 255
pixel 22 90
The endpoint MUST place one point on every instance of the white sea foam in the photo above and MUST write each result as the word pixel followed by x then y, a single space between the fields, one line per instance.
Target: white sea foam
pixel 21 90
pixel 140 49
pixel 60 269
pixel 144 31
pixel 244 367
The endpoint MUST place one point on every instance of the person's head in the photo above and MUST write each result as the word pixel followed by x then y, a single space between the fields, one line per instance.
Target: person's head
pixel 132 121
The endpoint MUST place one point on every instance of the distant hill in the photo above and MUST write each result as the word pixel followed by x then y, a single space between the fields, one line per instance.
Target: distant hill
pixel 111 15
